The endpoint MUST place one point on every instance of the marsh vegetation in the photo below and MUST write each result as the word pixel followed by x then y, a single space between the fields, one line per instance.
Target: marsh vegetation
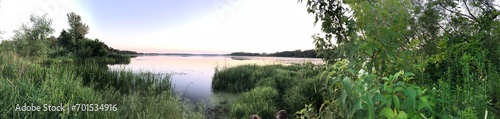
pixel 383 59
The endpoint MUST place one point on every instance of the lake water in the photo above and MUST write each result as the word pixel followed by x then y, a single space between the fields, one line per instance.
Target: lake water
pixel 192 75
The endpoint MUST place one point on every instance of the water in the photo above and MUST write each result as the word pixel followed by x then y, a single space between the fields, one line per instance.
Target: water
pixel 192 75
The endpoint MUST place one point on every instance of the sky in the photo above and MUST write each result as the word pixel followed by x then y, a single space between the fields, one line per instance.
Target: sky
pixel 177 26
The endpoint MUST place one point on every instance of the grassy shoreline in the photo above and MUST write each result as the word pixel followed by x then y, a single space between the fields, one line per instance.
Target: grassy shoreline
pixel 265 89
pixel 137 95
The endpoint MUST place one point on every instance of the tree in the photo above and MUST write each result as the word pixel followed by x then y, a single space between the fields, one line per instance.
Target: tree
pixel 370 34
pixel 38 28
pixel 100 49
pixel 92 48
pixel 450 43
pixel 384 40
pixel 335 23
pixel 31 39
pixel 65 40
pixel 77 29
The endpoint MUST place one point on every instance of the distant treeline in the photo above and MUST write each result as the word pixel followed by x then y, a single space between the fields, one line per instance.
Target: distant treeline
pixel 117 51
pixel 297 53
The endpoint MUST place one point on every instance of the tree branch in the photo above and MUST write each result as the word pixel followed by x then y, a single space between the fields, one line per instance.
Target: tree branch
pixel 468 10
pixel 422 7
pixel 456 12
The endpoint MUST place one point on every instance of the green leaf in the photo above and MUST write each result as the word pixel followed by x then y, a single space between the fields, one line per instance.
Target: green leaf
pixel 357 106
pixel 389 100
pixel 419 91
pixel 387 112
pixel 379 97
pixel 424 103
pixel 397 89
pixel 331 74
pixel 398 74
pixel 399 83
pixel 396 101
pixel 416 116
pixel 388 89
pixel 385 78
pixel 408 74
pixel 407 104
pixel 370 106
pixel 343 97
pixel 347 84
pixel 402 115
pixel 411 93
pixel 351 71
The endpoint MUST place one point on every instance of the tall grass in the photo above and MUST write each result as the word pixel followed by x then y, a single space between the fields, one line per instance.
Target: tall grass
pixel 142 95
pixel 246 77
pixel 267 89
pixel 124 81
pixel 260 100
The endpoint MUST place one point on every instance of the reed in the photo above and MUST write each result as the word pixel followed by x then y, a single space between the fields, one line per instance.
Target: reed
pixel 137 95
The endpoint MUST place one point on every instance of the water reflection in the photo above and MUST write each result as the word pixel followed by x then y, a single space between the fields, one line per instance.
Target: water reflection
pixel 192 76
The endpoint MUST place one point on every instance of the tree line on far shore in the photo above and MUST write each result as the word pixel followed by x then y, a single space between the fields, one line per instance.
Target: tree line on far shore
pixel 297 53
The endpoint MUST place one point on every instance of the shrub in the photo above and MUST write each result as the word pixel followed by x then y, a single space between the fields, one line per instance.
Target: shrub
pixel 350 94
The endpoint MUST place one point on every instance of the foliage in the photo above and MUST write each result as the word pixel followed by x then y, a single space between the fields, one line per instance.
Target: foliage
pixel 92 48
pixel 31 39
pixel 451 46
pixel 295 84
pixel 335 24
pixel 350 94
pixel 77 29
pixel 245 77
pixel 72 69
pixel 308 92
pixel 260 101
pixel 239 79
pixel 28 82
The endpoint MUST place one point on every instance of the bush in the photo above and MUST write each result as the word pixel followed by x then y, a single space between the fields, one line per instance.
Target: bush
pixel 350 94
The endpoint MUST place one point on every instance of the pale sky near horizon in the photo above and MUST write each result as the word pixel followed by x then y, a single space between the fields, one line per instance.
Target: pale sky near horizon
pixel 179 26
